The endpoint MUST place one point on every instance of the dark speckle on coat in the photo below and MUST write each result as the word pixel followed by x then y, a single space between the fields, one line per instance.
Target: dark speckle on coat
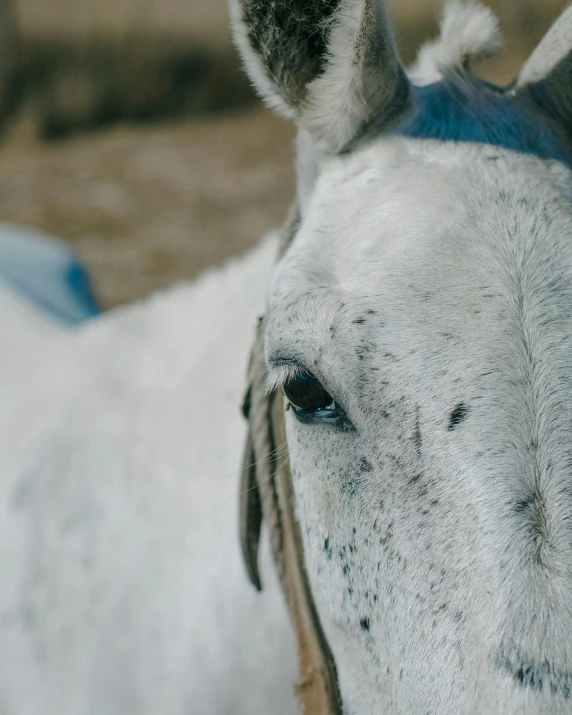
pixel 365 465
pixel 458 415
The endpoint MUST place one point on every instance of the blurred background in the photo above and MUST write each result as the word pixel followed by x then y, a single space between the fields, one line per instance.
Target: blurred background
pixel 130 131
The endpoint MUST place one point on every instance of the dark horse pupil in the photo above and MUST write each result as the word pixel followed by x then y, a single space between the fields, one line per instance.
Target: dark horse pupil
pixel 306 393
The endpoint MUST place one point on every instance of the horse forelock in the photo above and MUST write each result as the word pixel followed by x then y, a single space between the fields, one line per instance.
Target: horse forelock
pixel 468 32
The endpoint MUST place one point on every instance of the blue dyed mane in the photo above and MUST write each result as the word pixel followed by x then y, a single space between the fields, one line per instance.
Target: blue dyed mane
pixel 470 110
pixel 466 109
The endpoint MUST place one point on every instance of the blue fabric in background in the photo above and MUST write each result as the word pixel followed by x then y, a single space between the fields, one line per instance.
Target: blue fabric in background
pixel 45 272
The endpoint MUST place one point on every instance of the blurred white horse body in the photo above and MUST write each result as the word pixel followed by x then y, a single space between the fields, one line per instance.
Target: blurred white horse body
pixel 122 588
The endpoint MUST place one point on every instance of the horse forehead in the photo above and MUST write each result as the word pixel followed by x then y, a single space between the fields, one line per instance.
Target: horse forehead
pixel 416 208
pixel 427 237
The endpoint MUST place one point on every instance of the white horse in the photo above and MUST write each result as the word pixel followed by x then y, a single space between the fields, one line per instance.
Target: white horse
pixel 122 590
pixel 420 325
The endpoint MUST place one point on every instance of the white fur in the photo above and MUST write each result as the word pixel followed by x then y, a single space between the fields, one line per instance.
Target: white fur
pixel 469 32
pixel 308 159
pixel 123 588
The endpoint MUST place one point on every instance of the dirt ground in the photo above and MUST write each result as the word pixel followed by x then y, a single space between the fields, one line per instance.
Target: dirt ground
pixel 146 203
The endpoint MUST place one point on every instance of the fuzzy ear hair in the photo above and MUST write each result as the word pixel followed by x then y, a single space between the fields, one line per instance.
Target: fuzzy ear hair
pixel 547 75
pixel 330 64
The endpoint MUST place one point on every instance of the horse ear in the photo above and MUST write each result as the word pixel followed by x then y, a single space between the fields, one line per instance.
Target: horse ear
pixel 546 77
pixel 330 64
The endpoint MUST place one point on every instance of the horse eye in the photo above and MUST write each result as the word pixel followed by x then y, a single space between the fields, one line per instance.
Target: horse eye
pixel 306 394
